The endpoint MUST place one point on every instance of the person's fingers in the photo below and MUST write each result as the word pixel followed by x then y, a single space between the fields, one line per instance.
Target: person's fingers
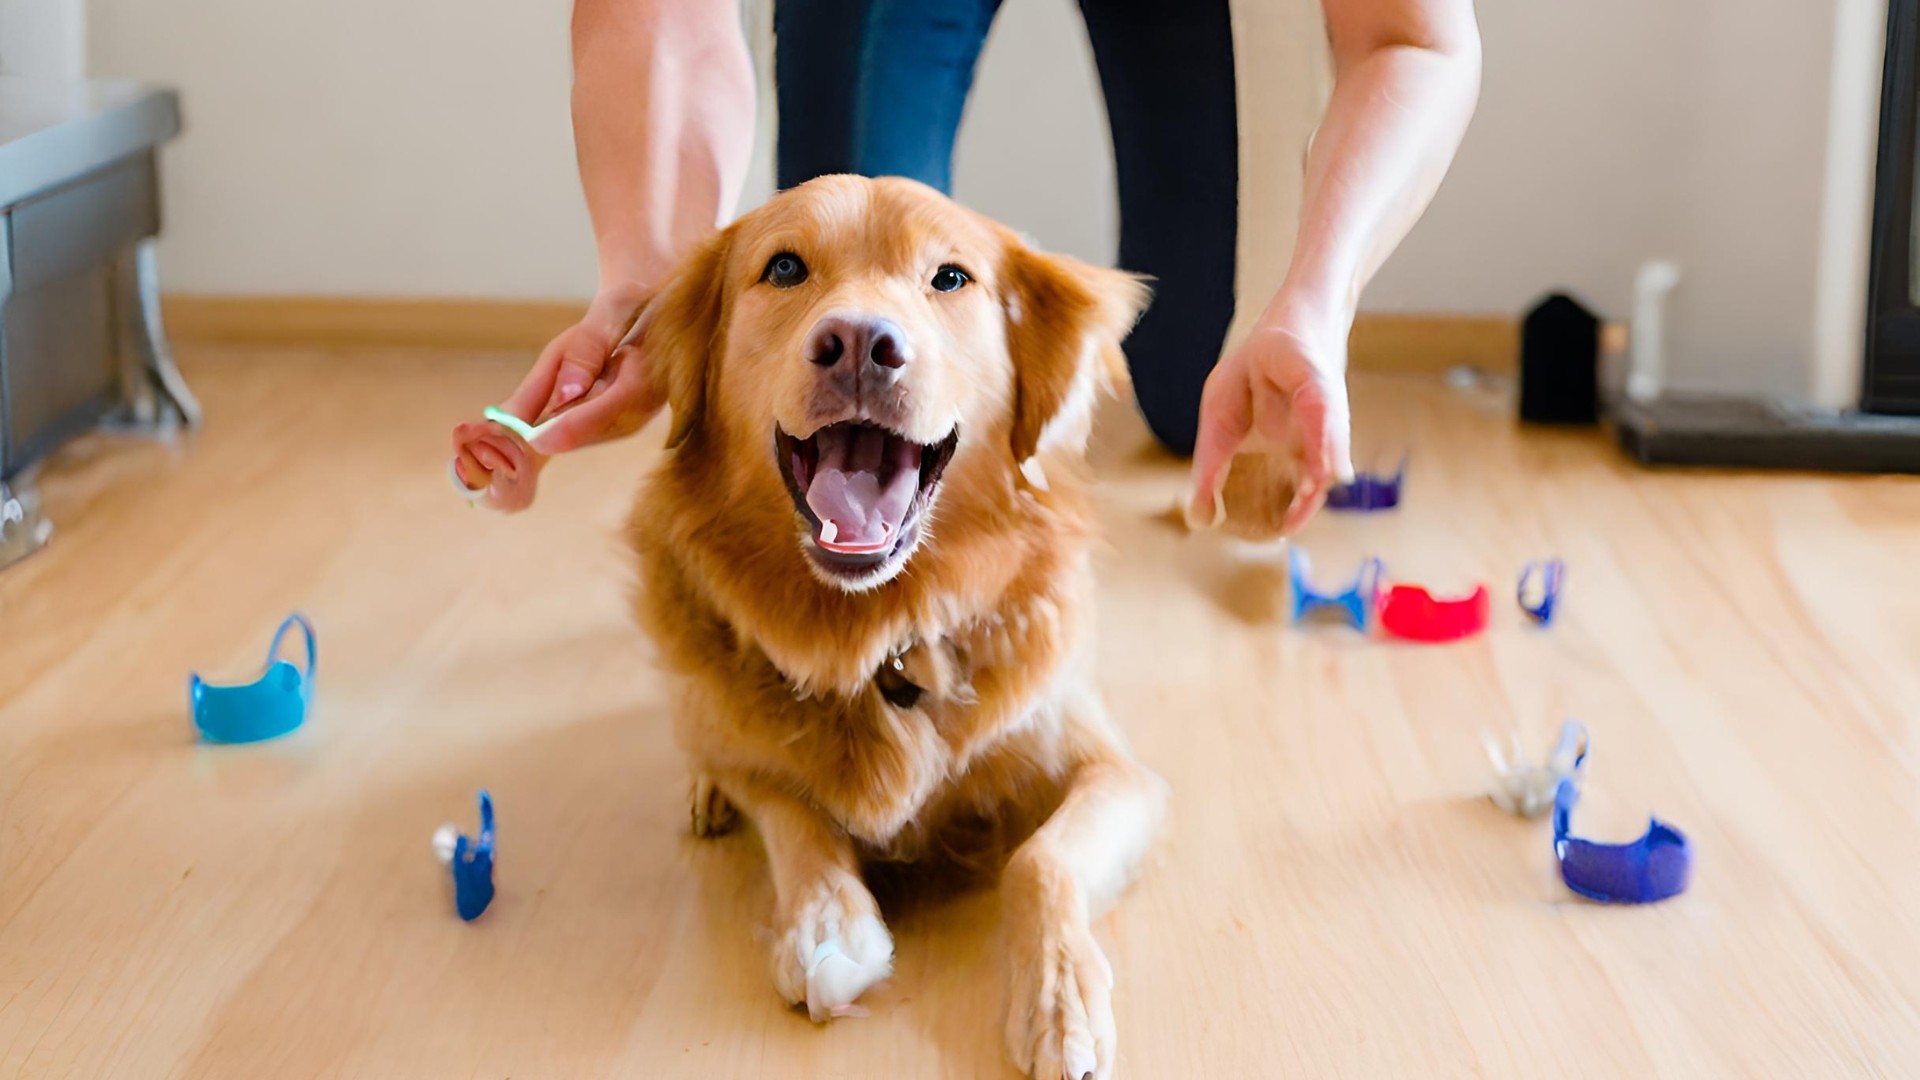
pixel 591 346
pixel 467 438
pixel 1340 441
pixel 468 432
pixel 1307 501
pixel 473 474
pixel 616 405
pixel 1308 415
pixel 1225 419
pixel 518 454
pixel 537 386
pixel 566 367
pixel 511 495
pixel 1319 420
pixel 1336 421
pixel 595 418
pixel 588 360
pixel 1279 425
pixel 489 458
pixel 512 491
pixel 580 365
pixel 513 456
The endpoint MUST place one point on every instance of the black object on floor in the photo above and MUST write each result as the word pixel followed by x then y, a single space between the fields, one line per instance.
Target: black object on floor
pixel 1560 363
pixel 1766 434
pixel 1892 374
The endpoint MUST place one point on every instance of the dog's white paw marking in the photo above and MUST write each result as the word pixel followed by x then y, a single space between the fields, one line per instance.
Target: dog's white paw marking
pixel 1060 1008
pixel 832 949
pixel 712 813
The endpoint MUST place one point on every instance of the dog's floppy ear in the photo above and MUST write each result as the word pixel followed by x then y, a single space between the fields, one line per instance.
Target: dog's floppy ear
pixel 1065 321
pixel 680 332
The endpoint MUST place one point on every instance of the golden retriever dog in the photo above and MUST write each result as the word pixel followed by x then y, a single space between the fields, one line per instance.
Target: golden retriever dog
pixel 865 559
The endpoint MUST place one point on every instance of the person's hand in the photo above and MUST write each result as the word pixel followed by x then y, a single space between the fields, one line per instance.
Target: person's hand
pixel 498 464
pixel 592 377
pixel 597 385
pixel 1279 403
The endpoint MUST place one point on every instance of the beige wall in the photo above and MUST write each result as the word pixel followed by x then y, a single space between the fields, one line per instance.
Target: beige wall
pixel 43 38
pixel 1033 149
pixel 362 146
pixel 366 147
pixel 1613 133
pixel 326 153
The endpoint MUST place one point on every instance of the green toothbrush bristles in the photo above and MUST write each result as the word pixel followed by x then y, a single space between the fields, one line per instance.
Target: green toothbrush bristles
pixel 514 424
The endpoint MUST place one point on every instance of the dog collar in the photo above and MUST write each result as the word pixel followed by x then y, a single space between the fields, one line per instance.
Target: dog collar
pixel 1413 613
pixel 892 682
pixel 1552 574
pixel 890 678
pixel 268 707
pixel 1369 491
pixel 471 861
pixel 1354 602
pixel 1529 790
pixel 1654 867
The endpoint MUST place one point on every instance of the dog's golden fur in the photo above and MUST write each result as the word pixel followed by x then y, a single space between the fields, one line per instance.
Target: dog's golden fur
pixel 786 712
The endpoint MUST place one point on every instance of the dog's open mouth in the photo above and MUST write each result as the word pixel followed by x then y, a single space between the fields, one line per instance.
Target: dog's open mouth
pixel 863 489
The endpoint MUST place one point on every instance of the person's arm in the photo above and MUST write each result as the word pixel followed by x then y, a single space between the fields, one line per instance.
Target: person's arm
pixel 662 125
pixel 663 103
pixel 1406 78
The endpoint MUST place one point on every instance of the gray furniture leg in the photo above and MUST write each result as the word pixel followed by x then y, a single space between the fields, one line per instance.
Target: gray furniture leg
pixel 157 401
pixel 22 530
pixel 158 355
pixel 85 348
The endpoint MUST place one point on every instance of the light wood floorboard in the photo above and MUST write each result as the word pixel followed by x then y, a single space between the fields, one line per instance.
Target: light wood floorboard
pixel 1334 896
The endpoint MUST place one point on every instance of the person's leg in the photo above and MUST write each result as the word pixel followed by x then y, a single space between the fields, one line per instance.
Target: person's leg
pixel 1167 72
pixel 874 87
pixel 816 70
pixel 916 66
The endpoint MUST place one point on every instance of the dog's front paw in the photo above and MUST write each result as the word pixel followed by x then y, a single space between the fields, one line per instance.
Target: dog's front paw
pixel 1060 1008
pixel 712 814
pixel 831 948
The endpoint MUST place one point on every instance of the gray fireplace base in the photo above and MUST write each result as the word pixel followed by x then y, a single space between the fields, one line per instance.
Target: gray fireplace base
pixel 1739 433
pixel 22 530
pixel 81 341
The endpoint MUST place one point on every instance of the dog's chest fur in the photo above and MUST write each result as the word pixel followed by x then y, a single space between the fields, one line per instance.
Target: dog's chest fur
pixel 792 685
pixel 947 729
pixel 944 730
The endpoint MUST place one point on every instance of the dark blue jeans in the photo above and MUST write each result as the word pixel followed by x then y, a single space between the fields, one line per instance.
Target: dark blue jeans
pixel 876 87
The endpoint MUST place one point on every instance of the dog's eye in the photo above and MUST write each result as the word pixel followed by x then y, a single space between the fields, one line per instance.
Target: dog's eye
pixel 784 271
pixel 948 278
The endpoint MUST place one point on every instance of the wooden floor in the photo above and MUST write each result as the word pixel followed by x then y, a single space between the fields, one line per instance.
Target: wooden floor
pixel 1334 896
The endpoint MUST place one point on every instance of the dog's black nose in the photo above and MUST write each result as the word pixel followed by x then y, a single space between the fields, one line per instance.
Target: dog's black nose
pixel 876 341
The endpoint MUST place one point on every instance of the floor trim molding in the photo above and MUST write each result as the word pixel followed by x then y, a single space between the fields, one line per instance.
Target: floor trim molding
pixel 1407 343
pixel 332 322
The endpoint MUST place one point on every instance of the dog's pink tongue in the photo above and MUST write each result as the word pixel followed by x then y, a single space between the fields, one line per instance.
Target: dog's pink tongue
pixel 862 485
